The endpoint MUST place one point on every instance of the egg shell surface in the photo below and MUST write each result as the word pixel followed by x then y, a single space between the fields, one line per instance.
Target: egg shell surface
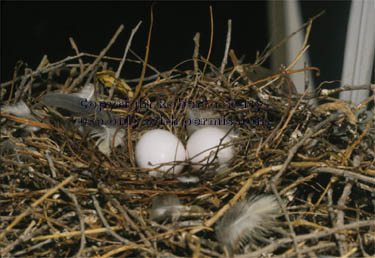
pixel 159 146
pixel 205 142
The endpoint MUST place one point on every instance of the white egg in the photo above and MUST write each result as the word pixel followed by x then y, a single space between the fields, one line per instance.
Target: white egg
pixel 203 145
pixel 157 147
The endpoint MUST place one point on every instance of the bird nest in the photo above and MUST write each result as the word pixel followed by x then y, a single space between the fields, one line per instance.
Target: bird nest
pixel 64 194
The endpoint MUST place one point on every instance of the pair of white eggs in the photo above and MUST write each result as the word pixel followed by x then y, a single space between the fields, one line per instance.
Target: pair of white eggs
pixel 161 150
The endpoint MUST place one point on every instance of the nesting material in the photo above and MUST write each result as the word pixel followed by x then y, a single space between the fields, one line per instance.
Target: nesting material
pixel 20 109
pixel 164 207
pixel 75 187
pixel 247 220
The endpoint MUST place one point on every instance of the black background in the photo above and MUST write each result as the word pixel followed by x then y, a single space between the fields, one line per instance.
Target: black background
pixel 31 29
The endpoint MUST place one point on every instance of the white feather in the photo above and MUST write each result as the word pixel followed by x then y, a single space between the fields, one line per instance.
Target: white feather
pixel 246 221
pixel 87 92
pixel 188 179
pixel 20 109
pixel 105 135
pixel 164 207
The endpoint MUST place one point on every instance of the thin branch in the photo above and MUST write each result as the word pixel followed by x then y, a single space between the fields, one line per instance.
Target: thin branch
pixel 196 51
pixel 295 148
pixel 345 173
pixel 45 69
pixel 286 215
pixel 107 226
pixel 74 46
pixel 139 86
pixel 227 45
pixel 326 92
pixel 78 208
pixel 97 60
pixel 314 235
pixel 35 204
pixel 264 58
pixel 117 75
pixel 211 39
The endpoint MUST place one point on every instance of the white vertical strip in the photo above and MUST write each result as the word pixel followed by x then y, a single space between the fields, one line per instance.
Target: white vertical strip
pixel 293 18
pixel 284 19
pixel 359 49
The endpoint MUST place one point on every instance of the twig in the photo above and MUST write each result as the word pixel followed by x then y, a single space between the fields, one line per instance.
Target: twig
pixel 340 216
pixel 319 246
pixel 35 204
pixel 29 236
pixel 351 148
pixel 269 78
pixel 102 53
pixel 75 233
pixel 46 69
pixel 107 226
pixel 332 216
pixel 234 58
pixel 143 62
pixel 130 221
pixel 211 39
pixel 42 64
pixel 293 150
pixel 123 248
pixel 27 121
pixel 345 173
pixel 292 111
pixel 117 75
pixel 315 235
pixel 196 51
pixel 16 69
pixel 264 58
pixel 135 216
pixel 50 164
pixel 148 78
pixel 213 219
pixel 78 208
pixel 286 215
pixel 326 92
pixel 139 86
pixel 227 45
pixel 37 246
pixel 74 46
pixel 20 239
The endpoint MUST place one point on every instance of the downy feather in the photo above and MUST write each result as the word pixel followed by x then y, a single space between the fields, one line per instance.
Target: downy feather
pixel 164 207
pixel 105 135
pixel 87 92
pixel 247 220
pixel 76 102
pixel 20 109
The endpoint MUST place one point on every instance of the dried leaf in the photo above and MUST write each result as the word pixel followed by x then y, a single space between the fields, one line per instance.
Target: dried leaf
pixel 108 78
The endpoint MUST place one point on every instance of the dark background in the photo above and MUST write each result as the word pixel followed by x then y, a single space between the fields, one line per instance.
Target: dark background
pixel 31 29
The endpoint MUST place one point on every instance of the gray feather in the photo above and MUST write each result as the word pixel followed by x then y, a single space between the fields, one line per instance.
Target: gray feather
pixel 68 102
pixel 166 207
